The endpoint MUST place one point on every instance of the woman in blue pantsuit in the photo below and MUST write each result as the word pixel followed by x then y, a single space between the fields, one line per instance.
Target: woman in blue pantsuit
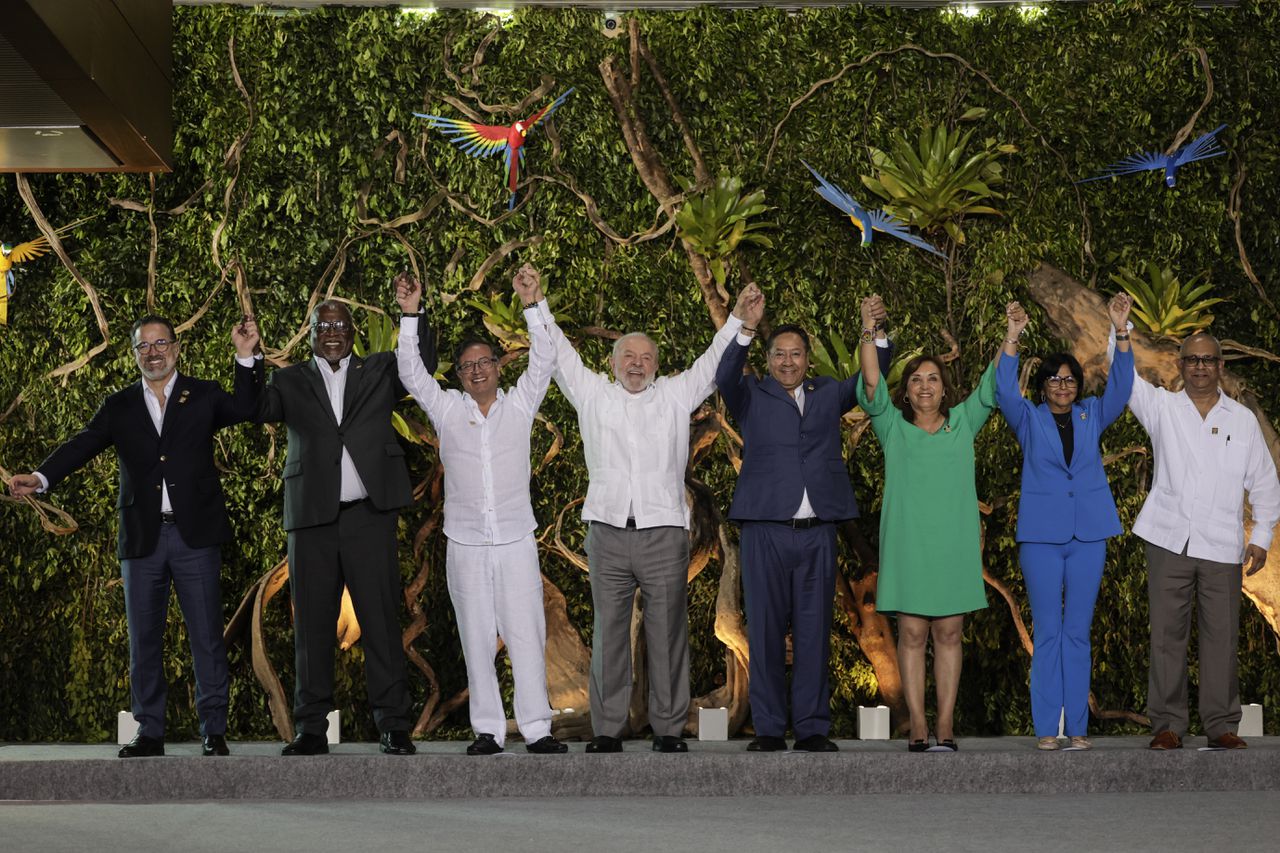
pixel 1065 515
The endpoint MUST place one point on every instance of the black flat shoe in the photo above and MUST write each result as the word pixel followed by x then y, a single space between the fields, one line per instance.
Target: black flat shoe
pixel 918 746
pixel 142 747
pixel 604 743
pixel 669 743
pixel 484 744
pixel 397 742
pixel 948 745
pixel 214 745
pixel 547 746
pixel 306 744
pixel 815 743
pixel 767 743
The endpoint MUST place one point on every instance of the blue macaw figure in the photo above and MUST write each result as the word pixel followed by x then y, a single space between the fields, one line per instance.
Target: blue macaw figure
pixel 868 220
pixel 1201 148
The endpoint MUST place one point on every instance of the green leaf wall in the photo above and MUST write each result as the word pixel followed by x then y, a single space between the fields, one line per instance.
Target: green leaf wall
pixel 1092 82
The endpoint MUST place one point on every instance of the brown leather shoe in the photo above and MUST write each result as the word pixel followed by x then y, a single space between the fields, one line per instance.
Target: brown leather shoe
pixel 1228 740
pixel 1165 740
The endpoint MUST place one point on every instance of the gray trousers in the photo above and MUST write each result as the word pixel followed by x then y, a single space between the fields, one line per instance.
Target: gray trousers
pixel 1173 582
pixel 656 560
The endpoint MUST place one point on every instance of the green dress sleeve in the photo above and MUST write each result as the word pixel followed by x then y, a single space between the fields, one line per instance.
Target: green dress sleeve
pixel 878 408
pixel 979 405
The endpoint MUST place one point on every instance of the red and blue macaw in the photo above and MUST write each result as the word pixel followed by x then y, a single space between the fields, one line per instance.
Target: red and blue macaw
pixel 868 220
pixel 1201 148
pixel 484 140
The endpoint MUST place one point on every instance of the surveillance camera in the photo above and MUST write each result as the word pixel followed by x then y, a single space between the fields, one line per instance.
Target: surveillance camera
pixel 611 26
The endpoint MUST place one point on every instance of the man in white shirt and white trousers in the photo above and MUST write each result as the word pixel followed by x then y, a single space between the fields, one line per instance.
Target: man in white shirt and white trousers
pixel 635 437
pixel 1209 451
pixel 492 558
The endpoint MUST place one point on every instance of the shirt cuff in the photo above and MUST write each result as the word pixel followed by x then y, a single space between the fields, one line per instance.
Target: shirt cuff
pixel 883 343
pixel 409 324
pixel 44 482
pixel 250 361
pixel 745 340
pixel 544 311
pixel 533 315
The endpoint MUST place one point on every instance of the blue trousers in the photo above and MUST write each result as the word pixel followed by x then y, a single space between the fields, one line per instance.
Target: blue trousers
pixel 1062 586
pixel 789 579
pixel 194 574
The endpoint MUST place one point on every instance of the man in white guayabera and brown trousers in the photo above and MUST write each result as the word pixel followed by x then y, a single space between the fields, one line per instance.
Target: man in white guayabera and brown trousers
pixel 635 436
pixel 492 558
pixel 1209 451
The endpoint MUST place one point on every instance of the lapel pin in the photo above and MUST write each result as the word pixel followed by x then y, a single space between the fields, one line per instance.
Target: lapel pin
pixel 1084 416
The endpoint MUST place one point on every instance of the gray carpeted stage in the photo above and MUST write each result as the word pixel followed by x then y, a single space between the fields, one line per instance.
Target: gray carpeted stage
pixel 356 771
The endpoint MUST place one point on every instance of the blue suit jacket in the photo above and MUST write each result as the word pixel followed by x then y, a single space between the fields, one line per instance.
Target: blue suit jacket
pixel 785 453
pixel 1060 502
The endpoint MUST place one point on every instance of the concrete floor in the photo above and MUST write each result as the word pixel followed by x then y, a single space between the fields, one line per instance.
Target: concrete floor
pixel 1073 823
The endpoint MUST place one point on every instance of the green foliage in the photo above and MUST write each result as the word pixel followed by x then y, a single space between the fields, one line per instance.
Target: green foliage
pixel 717 221
pixel 1165 306
pixel 937 182
pixel 330 85
pixel 381 335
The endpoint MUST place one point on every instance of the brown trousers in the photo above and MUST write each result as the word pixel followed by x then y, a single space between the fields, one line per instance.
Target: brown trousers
pixel 1174 581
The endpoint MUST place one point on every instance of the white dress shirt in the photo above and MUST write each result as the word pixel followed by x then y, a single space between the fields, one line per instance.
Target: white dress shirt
pixel 636 445
pixel 335 384
pixel 486 458
pixel 1203 467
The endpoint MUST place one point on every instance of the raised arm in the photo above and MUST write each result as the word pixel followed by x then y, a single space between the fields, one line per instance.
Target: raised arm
pixel 884 358
pixel 730 380
pixel 1015 408
pixel 696 384
pixel 74 452
pixel 242 404
pixel 415 376
pixel 1120 375
pixel 872 312
pixel 531 387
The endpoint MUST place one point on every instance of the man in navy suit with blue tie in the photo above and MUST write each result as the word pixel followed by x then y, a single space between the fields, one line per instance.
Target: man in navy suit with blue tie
pixel 792 491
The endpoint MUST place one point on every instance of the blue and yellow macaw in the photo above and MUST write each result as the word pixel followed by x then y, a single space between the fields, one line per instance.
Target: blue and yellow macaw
pixel 21 253
pixel 483 140
pixel 868 221
pixel 1201 148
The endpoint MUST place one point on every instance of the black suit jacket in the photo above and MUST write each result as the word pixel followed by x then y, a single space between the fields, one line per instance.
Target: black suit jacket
pixel 313 468
pixel 181 454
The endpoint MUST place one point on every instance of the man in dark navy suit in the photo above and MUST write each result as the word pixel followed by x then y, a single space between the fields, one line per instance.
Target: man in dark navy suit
pixel 172 516
pixel 792 491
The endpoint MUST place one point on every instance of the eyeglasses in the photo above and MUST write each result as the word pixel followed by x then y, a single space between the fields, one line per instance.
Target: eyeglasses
pixel 338 326
pixel 478 364
pixel 159 345
pixel 1206 360
pixel 1062 381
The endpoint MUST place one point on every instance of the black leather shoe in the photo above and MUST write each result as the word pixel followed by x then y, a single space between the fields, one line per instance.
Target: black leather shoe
pixel 547 746
pixel 604 743
pixel 142 747
pixel 485 745
pixel 396 742
pixel 669 743
pixel 214 745
pixel 767 743
pixel 815 743
pixel 307 744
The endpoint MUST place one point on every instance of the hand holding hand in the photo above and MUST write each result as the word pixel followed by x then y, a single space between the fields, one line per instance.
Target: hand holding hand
pixel 22 485
pixel 1017 319
pixel 245 337
pixel 750 306
pixel 873 311
pixel 528 283
pixel 408 292
pixel 1119 308
pixel 1254 559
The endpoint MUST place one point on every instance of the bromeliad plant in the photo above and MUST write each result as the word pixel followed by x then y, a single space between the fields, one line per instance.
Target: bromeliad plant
pixel 1165 306
pixel 933 184
pixel 718 221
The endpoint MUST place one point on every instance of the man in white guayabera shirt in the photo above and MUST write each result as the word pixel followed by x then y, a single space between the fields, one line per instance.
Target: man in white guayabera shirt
pixel 492 558
pixel 635 436
pixel 1209 451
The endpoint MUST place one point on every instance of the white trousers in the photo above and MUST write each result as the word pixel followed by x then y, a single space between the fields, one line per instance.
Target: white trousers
pixel 497 592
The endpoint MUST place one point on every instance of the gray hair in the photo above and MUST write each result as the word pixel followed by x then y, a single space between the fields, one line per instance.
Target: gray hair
pixel 332 304
pixel 618 344
pixel 1217 346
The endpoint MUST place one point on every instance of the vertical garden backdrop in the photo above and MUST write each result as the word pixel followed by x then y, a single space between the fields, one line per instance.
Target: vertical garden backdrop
pixel 301 171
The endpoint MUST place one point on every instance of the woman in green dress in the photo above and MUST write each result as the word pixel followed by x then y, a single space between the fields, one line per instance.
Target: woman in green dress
pixel 930 547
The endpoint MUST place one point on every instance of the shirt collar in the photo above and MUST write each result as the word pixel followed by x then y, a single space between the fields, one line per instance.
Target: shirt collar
pixel 325 370
pixel 168 386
